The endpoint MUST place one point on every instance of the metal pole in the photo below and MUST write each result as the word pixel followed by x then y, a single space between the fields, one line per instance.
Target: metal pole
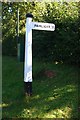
pixel 28 57
pixel 18 44
pixel 18 22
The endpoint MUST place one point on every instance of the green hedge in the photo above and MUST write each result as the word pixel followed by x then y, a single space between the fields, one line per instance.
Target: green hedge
pixel 63 43
pixel 60 45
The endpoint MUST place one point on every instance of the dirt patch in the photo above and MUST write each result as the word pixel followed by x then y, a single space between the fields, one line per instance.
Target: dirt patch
pixel 49 73
pixel 45 73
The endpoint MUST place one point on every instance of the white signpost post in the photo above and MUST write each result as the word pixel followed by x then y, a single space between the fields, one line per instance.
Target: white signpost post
pixel 28 49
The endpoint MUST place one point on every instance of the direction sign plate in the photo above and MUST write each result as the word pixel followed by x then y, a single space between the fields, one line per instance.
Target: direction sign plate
pixel 43 26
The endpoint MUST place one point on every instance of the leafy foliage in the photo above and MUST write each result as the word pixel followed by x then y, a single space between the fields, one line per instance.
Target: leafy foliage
pixel 60 45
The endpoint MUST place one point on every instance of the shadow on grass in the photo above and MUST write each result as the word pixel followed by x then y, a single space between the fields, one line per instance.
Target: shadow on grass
pixel 45 103
pixel 52 98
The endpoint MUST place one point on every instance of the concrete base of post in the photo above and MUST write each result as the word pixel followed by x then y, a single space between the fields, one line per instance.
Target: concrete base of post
pixel 28 88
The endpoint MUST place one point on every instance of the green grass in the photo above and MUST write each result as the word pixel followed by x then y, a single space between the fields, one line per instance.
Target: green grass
pixel 55 97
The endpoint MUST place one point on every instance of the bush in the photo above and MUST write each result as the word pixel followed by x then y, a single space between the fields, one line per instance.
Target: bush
pixel 60 45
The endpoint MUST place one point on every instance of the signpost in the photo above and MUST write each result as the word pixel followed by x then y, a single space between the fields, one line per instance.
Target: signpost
pixel 28 49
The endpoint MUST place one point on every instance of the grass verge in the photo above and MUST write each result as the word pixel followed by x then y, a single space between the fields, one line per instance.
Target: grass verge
pixel 55 97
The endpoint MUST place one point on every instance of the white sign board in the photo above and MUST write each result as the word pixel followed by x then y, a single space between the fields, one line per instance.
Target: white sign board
pixel 42 26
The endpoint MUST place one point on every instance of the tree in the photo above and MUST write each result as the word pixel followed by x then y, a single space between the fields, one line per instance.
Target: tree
pixel 60 45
